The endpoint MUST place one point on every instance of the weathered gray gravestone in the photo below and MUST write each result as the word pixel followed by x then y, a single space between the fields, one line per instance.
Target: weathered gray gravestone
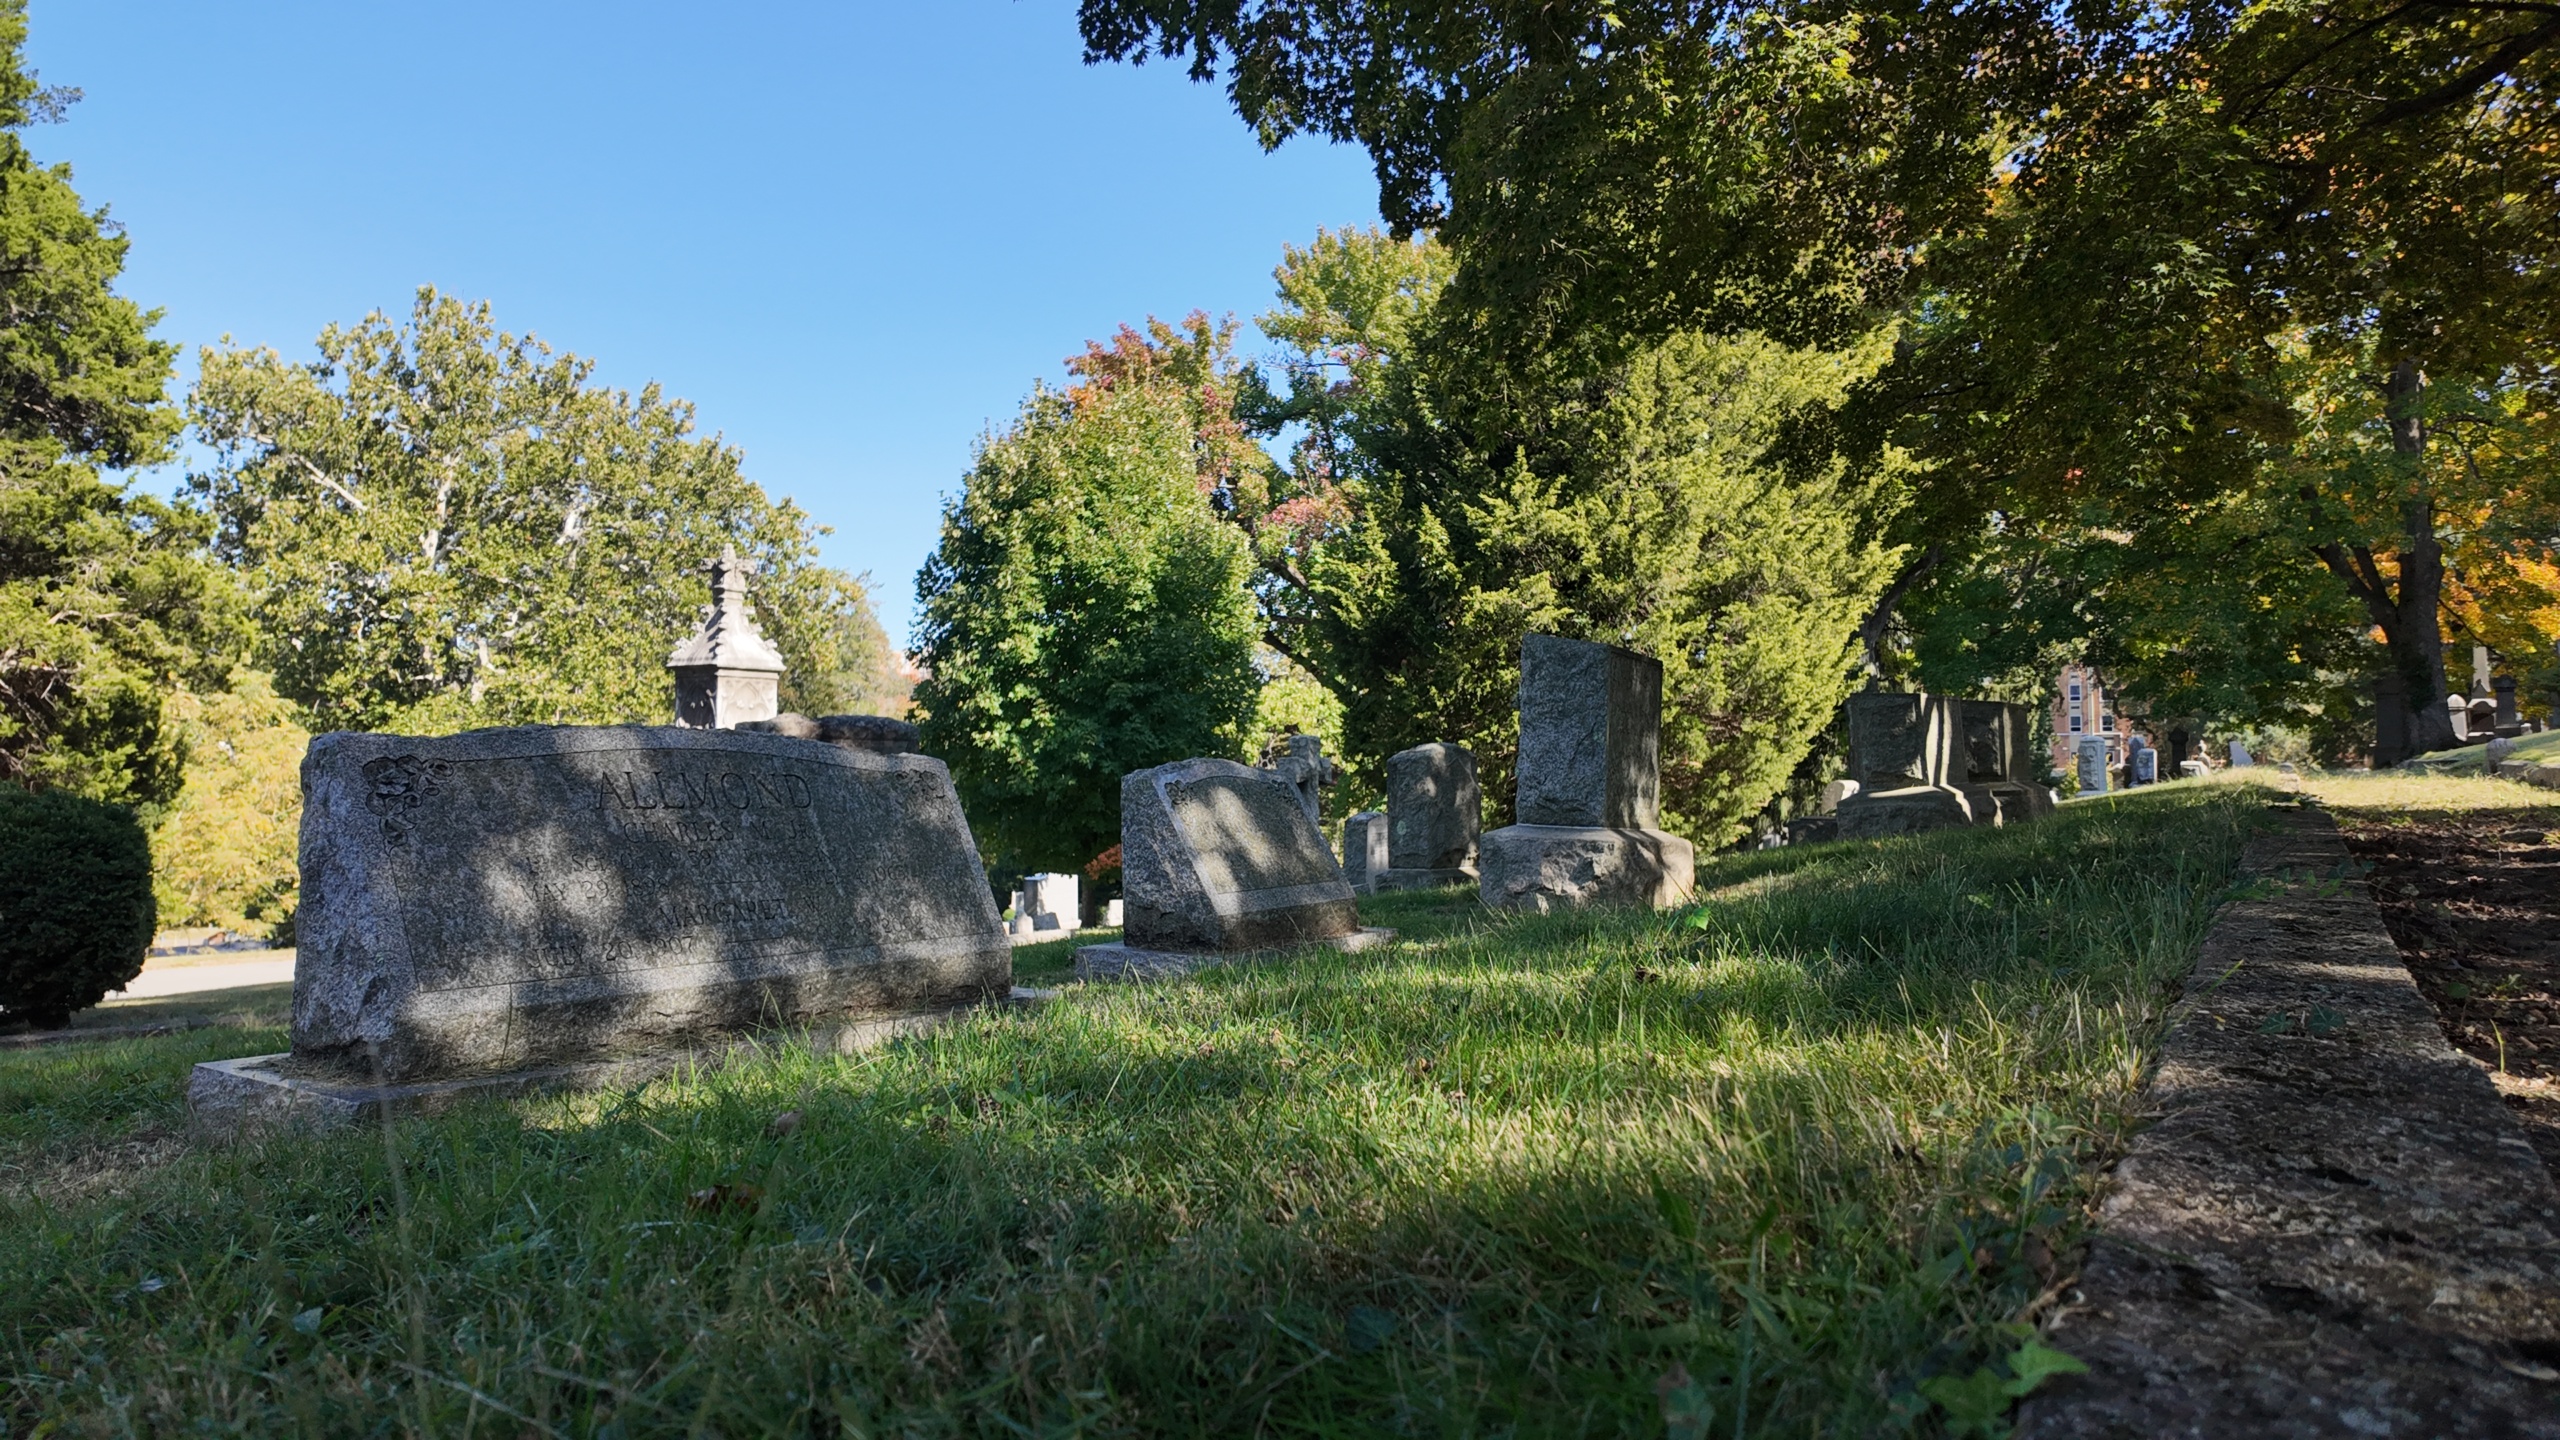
pixel 1907 753
pixel 1216 859
pixel 1364 849
pixel 2000 783
pixel 1054 902
pixel 1435 819
pixel 2509 723
pixel 1590 786
pixel 876 733
pixel 1299 762
pixel 507 900
pixel 2092 759
pixel 2145 763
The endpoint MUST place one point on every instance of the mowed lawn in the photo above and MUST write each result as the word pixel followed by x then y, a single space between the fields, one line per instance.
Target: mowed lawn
pixel 1797 1160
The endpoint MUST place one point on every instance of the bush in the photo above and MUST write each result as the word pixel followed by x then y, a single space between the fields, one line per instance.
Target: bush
pixel 76 912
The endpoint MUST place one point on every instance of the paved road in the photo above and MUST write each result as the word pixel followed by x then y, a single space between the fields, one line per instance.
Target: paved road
pixel 271 967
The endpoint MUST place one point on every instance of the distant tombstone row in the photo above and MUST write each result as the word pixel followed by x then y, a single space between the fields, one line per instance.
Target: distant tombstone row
pixel 1926 762
pixel 1589 797
pixel 1047 905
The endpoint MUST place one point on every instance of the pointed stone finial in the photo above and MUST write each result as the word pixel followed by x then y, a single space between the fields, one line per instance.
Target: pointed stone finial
pixel 728 672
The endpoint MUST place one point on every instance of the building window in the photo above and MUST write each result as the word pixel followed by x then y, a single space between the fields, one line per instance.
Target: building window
pixel 2075 722
pixel 2075 694
pixel 2108 724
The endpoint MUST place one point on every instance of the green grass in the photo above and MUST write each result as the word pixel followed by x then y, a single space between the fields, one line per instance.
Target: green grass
pixel 1808 1148
pixel 2539 749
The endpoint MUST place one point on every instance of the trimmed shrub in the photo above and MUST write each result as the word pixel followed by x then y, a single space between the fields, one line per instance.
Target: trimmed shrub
pixel 76 912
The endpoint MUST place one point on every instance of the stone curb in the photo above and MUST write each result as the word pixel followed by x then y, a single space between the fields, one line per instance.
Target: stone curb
pixel 2332 1226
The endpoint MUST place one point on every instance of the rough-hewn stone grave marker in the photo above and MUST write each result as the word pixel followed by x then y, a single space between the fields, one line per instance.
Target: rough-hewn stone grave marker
pixel 1364 849
pixel 1590 785
pixel 1435 818
pixel 2000 780
pixel 527 901
pixel 1220 859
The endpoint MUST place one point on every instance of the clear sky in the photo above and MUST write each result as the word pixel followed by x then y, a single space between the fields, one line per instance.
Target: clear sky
pixel 851 233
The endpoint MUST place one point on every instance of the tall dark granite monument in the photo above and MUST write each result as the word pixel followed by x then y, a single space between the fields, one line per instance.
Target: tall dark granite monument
pixel 1590 785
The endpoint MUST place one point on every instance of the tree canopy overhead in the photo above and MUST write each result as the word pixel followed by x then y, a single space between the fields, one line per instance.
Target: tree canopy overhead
pixel 2124 239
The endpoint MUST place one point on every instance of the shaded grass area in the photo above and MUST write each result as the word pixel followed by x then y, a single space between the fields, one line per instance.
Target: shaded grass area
pixel 1796 1159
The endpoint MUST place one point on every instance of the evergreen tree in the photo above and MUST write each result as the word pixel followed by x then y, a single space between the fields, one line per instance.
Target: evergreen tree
pixel 105 603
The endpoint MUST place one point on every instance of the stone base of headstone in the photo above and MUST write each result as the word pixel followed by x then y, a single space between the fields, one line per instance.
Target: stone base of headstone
pixel 1391 879
pixel 1813 829
pixel 2007 802
pixel 1877 814
pixel 226 1098
pixel 1116 961
pixel 2194 769
pixel 1549 867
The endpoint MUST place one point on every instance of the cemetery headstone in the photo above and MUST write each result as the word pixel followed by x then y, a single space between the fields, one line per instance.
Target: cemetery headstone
pixel 727 674
pixel 500 901
pixel 2091 757
pixel 2506 720
pixel 1219 859
pixel 2457 711
pixel 2194 769
pixel 2240 754
pixel 2145 763
pixel 1999 783
pixel 1364 849
pixel 1907 752
pixel 1590 785
pixel 878 734
pixel 1833 794
pixel 1299 762
pixel 1111 912
pixel 1055 902
pixel 1435 819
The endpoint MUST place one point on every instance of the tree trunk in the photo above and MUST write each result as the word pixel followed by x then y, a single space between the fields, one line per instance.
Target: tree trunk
pixel 1879 622
pixel 2406 607
pixel 2416 641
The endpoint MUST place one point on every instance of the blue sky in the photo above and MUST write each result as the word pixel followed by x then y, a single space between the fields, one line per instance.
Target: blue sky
pixel 853 234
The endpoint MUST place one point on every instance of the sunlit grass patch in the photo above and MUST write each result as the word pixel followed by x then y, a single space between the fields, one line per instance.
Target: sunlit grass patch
pixel 1792 1154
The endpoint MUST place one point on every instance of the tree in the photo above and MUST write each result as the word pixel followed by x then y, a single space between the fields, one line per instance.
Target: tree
pixel 441 525
pixel 225 852
pixel 1689 501
pixel 1088 612
pixel 105 603
pixel 2103 224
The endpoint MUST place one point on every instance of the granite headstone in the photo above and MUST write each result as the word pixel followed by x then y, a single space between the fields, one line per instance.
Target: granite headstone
pixel 505 898
pixel 1364 849
pixel 1220 858
pixel 1590 792
pixel 1435 819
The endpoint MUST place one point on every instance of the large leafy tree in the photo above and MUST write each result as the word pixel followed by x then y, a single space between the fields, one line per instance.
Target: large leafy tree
pixel 105 603
pixel 1088 611
pixel 1688 500
pixel 443 525
pixel 2107 224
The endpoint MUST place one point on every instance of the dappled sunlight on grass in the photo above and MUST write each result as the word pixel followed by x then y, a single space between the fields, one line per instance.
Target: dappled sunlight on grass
pixel 1811 1140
